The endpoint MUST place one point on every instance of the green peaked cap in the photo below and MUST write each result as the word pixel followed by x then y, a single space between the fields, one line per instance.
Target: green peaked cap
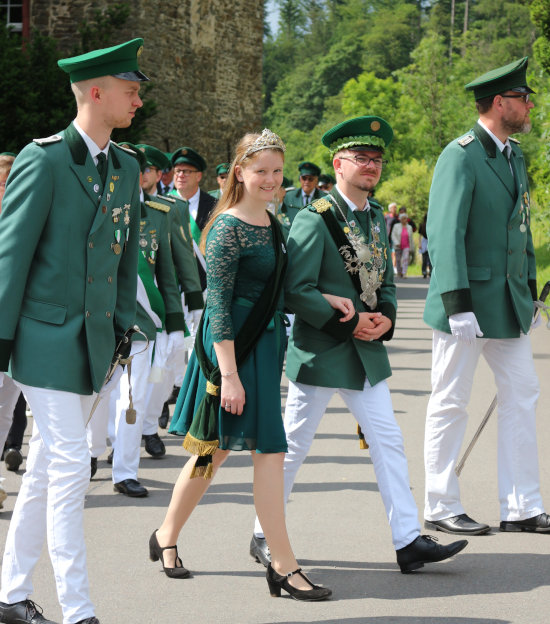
pixel 308 168
pixel 136 153
pixel 505 78
pixel 366 131
pixel 223 168
pixel 155 158
pixel 120 61
pixel 190 156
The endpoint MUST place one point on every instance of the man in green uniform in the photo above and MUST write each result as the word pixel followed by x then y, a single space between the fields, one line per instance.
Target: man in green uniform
pixel 222 171
pixel 69 234
pixel 295 200
pixel 339 245
pixel 480 301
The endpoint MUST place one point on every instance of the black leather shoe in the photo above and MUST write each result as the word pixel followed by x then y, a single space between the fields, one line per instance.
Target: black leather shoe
pixel 173 398
pixel 164 417
pixel 536 524
pixel 131 487
pixel 92 620
pixel 110 457
pixel 156 552
pixel 24 612
pixel 93 467
pixel 459 525
pixel 259 550
pixel 425 549
pixel 13 459
pixel 276 582
pixel 154 445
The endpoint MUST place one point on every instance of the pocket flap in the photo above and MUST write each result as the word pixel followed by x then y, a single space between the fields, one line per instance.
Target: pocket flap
pixel 479 273
pixel 44 311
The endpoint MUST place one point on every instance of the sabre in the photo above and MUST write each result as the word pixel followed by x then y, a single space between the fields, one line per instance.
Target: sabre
pixel 118 359
pixel 460 465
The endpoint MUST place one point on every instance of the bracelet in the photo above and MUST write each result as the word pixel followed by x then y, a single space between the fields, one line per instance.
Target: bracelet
pixel 228 374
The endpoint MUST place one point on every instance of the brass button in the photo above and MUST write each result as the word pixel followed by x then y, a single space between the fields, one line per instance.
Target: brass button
pixel 88 314
pixel 509 252
pixel 521 274
pixel 104 209
pixel 507 275
pixel 90 279
pixel 91 244
pixel 110 279
pixel 108 314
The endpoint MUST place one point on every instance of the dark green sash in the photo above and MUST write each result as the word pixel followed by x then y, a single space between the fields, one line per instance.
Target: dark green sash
pixel 202 437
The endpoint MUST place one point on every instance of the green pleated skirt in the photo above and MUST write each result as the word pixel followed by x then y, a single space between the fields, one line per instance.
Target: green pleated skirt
pixel 260 426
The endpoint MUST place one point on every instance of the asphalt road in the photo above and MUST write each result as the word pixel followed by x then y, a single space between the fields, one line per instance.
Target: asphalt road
pixel 336 522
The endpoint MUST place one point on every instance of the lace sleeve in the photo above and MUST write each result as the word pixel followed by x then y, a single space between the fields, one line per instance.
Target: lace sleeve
pixel 222 261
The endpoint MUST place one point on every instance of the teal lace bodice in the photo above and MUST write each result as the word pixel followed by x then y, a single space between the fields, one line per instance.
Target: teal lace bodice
pixel 239 261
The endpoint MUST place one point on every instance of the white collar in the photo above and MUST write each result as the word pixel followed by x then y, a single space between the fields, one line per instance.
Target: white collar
pixel 92 146
pixel 350 204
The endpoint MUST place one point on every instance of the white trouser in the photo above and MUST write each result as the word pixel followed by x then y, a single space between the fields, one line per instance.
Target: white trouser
pixel 51 503
pixel 9 393
pixel 97 430
pixel 158 395
pixel 127 447
pixel 372 408
pixel 453 369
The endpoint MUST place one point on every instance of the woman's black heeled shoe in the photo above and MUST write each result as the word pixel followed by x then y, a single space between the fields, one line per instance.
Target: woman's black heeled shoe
pixel 276 582
pixel 156 552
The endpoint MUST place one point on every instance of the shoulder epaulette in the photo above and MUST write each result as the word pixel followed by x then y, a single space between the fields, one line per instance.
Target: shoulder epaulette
pixel 466 140
pixel 51 139
pixel 374 204
pixel 157 206
pixel 514 140
pixel 125 149
pixel 320 205
pixel 172 200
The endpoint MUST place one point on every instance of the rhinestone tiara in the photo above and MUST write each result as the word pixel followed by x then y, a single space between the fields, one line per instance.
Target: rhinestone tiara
pixel 266 140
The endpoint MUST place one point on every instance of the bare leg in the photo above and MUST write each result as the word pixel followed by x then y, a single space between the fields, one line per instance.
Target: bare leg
pixel 269 503
pixel 185 497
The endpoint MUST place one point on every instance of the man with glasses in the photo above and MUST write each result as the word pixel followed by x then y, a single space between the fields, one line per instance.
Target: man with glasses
pixel 222 171
pixel 339 245
pixel 480 301
pixel 189 166
pixel 308 192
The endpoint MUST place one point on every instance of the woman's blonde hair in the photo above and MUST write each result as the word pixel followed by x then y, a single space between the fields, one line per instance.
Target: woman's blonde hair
pixel 233 190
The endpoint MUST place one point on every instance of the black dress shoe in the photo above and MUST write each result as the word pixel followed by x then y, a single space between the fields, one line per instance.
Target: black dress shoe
pixel 13 459
pixel 276 582
pixel 110 456
pixel 536 524
pixel 93 467
pixel 131 487
pixel 459 525
pixel 24 612
pixel 173 398
pixel 154 445
pixel 156 552
pixel 425 549
pixel 92 620
pixel 259 550
pixel 164 416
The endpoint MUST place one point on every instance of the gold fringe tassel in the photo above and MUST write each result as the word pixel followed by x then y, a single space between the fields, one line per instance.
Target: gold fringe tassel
pixel 200 447
pixel 362 442
pixel 202 471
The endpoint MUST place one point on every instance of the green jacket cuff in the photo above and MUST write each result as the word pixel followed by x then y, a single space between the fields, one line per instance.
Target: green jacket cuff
pixel 456 301
pixel 5 353
pixel 175 321
pixel 194 300
pixel 389 310
pixel 533 288
pixel 338 330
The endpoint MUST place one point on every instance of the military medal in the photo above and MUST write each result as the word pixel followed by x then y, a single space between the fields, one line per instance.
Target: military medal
pixel 522 227
pixel 116 246
pixel 142 242
pixel 126 217
pixel 115 214
pixel 111 186
pixel 96 188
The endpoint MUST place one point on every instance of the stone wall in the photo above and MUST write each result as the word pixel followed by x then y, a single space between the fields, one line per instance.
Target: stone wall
pixel 204 58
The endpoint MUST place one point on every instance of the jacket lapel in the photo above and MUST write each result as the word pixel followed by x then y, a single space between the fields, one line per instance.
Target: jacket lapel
pixel 496 161
pixel 83 164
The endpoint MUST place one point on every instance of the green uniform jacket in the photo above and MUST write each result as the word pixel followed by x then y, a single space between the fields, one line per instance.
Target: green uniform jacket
pixel 322 351
pixel 479 237
pixel 68 260
pixel 183 255
pixel 154 243
pixel 293 203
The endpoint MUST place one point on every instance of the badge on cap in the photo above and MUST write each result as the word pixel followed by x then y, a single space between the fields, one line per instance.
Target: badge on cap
pixel 375 126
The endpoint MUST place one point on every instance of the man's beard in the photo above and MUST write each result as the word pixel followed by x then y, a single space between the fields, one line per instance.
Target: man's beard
pixel 515 127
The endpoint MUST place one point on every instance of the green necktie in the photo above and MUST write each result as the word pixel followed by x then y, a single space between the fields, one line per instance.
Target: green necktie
pixel 102 167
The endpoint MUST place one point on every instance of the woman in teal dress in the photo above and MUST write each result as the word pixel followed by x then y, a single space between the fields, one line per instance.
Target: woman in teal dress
pixel 241 259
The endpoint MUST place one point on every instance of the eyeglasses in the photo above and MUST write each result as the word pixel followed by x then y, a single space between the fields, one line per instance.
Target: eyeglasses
pixel 184 172
pixel 365 161
pixel 149 169
pixel 307 178
pixel 523 96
